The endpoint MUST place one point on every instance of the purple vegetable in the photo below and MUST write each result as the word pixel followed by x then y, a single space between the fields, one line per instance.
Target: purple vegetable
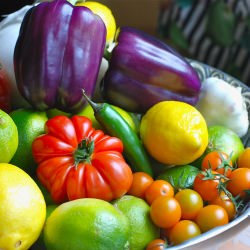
pixel 58 52
pixel 143 71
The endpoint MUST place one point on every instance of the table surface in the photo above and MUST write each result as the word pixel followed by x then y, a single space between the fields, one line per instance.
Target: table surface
pixel 241 241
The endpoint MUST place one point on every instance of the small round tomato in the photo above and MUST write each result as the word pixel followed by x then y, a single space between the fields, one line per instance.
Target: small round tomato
pixel 217 161
pixel 141 181
pixel 190 202
pixel 157 244
pixel 211 216
pixel 224 201
pixel 207 183
pixel 239 181
pixel 158 188
pixel 244 159
pixel 165 211
pixel 182 231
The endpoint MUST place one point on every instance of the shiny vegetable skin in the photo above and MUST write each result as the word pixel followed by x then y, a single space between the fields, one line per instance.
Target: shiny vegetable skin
pixel 58 52
pixel 144 70
pixel 116 126
pixel 76 161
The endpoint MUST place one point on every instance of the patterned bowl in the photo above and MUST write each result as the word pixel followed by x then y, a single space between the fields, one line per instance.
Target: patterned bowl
pixel 213 238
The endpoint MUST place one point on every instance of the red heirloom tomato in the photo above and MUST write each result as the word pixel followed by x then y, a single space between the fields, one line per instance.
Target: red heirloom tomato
pixel 77 161
pixel 5 103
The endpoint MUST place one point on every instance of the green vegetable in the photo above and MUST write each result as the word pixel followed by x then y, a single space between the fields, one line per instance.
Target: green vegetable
pixel 116 126
pixel 180 177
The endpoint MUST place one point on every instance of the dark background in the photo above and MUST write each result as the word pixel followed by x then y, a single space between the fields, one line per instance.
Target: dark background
pixel 8 6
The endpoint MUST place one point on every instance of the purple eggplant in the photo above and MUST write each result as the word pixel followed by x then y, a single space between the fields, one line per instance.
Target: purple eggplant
pixel 58 52
pixel 144 70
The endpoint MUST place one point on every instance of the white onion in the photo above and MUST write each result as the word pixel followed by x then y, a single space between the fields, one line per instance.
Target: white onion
pixel 223 104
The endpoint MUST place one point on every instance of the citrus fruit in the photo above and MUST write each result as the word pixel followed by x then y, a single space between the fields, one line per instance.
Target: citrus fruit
pixel 8 137
pixel 30 124
pixel 142 229
pixel 180 177
pixel 225 140
pixel 86 223
pixel 22 209
pixel 106 15
pixel 174 132
pixel 88 112
pixel 54 112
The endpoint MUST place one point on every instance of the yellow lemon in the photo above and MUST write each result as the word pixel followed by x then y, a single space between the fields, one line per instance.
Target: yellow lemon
pixel 8 137
pixel 174 132
pixel 106 15
pixel 22 209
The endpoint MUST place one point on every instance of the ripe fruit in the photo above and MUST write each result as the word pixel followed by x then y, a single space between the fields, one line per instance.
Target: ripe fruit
pixel 190 202
pixel 158 188
pixel 239 182
pixel 182 231
pixel 165 211
pixel 244 159
pixel 141 181
pixel 174 132
pixel 217 161
pixel 30 124
pixel 142 229
pixel 22 209
pixel 211 216
pixel 86 223
pixel 8 137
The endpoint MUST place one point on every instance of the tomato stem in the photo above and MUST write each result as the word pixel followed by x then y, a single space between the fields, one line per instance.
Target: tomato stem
pixel 84 151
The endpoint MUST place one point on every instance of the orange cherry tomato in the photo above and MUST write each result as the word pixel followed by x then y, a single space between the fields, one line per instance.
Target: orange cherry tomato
pixel 239 181
pixel 243 160
pixel 165 211
pixel 217 161
pixel 206 184
pixel 141 181
pixel 157 244
pixel 211 216
pixel 224 201
pixel 182 231
pixel 158 188
pixel 190 202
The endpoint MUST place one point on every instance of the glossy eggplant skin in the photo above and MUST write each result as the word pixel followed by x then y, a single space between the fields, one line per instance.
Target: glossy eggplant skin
pixel 144 70
pixel 57 54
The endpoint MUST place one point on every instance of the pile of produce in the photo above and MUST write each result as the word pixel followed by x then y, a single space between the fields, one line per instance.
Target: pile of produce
pixel 109 138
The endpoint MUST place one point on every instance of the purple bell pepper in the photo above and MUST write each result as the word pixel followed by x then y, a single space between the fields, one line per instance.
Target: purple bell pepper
pixel 58 53
pixel 143 71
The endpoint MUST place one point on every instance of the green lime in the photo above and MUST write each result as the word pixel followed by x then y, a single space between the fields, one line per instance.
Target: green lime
pixel 54 112
pixel 30 124
pixel 142 229
pixel 181 177
pixel 8 137
pixel 86 223
pixel 222 139
pixel 225 140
